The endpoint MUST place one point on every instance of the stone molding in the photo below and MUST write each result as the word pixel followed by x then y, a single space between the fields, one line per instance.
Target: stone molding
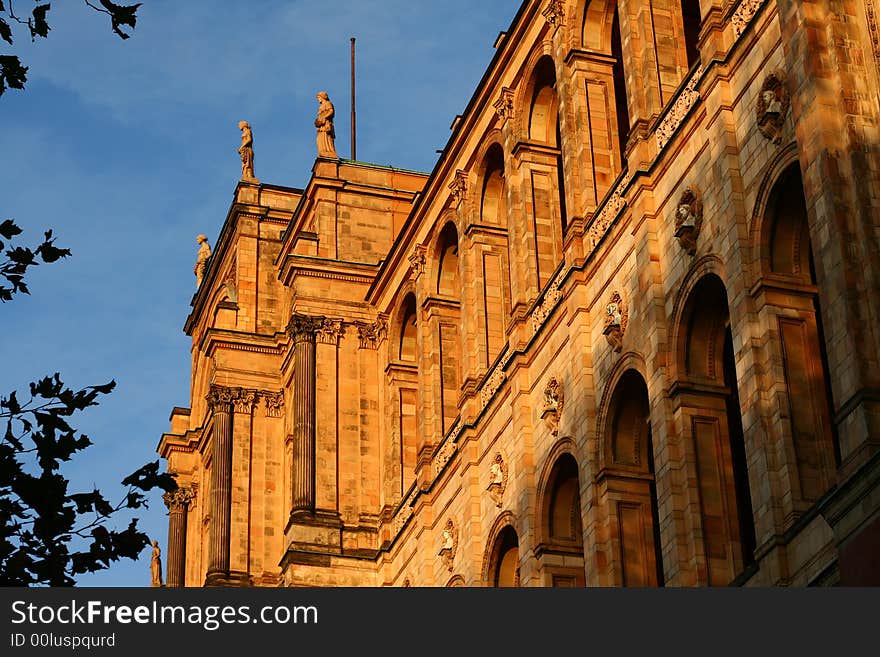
pixel 370 336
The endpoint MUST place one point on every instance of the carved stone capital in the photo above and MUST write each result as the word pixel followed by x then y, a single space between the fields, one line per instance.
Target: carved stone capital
pixel 688 220
pixel 616 318
pixel 459 186
pixel 331 331
pixel 370 336
pixel 554 12
pixel 303 328
pixel 220 397
pixel 180 499
pixel 274 403
pixel 772 106
pixel 449 544
pixel 504 105
pixel 245 400
pixel 417 259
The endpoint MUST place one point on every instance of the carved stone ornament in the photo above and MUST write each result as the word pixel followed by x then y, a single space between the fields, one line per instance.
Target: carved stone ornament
pixel 554 400
pixel 220 397
pixel 555 12
pixel 245 400
pixel 417 259
pixel 449 544
pixel 773 103
pixel 497 479
pixel 616 317
pixel 458 186
pixel 302 328
pixel 331 331
pixel 370 336
pixel 274 403
pixel 504 105
pixel 688 220
pixel 179 499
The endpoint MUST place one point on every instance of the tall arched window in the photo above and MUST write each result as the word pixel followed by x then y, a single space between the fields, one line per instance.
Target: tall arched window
pixel 629 458
pixel 796 313
pixel 493 204
pixel 562 526
pixel 448 320
pixel 447 275
pixel 494 255
pixel 547 178
pixel 405 378
pixel 714 421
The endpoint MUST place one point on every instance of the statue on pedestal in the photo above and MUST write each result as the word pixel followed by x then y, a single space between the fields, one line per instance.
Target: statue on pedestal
pixel 246 151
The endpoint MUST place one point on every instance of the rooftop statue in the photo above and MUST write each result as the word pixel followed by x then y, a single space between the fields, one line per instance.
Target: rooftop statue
pixel 246 150
pixel 324 124
pixel 202 259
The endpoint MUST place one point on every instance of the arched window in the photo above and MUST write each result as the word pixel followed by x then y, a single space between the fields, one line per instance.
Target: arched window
pixel 493 205
pixel 788 260
pixel 714 419
pixel 447 275
pixel 562 550
pixel 607 119
pixel 629 458
pixel 505 559
pixel 547 180
pixel 407 351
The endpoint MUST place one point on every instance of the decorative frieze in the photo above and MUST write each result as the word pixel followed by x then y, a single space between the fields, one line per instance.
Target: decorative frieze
pixel 604 218
pixel 492 384
pixel 497 479
pixel 554 400
pixel 772 106
pixel 688 220
pixel 449 544
pixel 552 297
pixel 679 110
pixel 616 318
pixel 744 15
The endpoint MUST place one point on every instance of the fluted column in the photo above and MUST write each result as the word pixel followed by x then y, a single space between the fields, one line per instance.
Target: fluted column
pixel 178 505
pixel 220 401
pixel 302 329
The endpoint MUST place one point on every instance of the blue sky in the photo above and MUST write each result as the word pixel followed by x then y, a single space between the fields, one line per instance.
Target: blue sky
pixel 127 149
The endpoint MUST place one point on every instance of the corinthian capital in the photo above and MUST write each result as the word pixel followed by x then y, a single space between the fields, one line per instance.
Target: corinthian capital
pixel 302 328
pixel 371 336
pixel 180 499
pixel 220 397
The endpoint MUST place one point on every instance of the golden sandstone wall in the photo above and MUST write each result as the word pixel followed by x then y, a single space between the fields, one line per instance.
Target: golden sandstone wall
pixel 623 334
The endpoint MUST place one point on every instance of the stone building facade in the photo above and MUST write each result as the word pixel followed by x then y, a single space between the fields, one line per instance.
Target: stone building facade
pixel 625 333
